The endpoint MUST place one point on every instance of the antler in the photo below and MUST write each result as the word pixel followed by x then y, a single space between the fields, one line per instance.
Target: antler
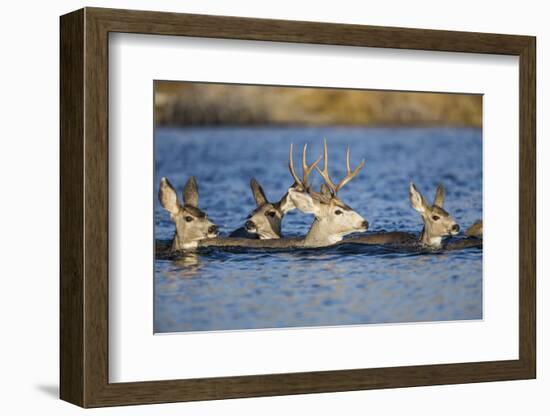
pixel 306 170
pixel 349 174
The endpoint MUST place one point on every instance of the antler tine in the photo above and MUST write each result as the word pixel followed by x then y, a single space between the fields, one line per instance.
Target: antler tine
pixel 305 169
pixel 324 172
pixel 291 168
pixel 349 174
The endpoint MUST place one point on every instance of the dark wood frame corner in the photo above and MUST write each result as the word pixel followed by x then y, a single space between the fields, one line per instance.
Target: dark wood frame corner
pixel 84 207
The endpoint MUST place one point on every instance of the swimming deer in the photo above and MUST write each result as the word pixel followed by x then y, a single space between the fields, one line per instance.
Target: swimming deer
pixel 438 224
pixel 333 218
pixel 265 221
pixel 192 224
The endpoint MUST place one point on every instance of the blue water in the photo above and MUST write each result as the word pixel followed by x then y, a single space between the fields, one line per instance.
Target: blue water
pixel 244 289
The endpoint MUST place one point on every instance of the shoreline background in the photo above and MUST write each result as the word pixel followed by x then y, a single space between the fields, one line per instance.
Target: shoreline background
pixel 181 104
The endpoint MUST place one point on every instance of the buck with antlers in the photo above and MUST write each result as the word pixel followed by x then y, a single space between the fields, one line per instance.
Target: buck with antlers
pixel 192 224
pixel 333 218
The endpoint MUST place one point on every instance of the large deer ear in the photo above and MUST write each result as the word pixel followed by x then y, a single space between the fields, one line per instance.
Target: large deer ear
pixel 439 199
pixel 191 193
pixel 417 200
pixel 257 193
pixel 304 202
pixel 286 204
pixel 168 197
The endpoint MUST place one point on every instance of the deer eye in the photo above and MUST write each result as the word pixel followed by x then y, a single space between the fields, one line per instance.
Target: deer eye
pixel 338 212
pixel 435 217
pixel 270 213
pixel 188 218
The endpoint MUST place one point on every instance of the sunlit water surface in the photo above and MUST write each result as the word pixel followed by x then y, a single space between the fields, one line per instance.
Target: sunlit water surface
pixel 244 289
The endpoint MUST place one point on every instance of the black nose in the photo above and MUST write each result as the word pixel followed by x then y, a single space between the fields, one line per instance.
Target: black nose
pixel 456 228
pixel 365 224
pixel 213 229
pixel 249 225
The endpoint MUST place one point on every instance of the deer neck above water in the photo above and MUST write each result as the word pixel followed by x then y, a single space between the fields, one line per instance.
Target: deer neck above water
pixel 319 235
pixel 179 243
pixel 428 239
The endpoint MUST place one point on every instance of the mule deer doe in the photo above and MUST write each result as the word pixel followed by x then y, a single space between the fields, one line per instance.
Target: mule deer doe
pixel 333 218
pixel 192 224
pixel 265 221
pixel 438 224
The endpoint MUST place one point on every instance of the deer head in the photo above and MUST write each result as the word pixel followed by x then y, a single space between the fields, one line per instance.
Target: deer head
pixel 333 218
pixel 192 224
pixel 266 219
pixel 437 222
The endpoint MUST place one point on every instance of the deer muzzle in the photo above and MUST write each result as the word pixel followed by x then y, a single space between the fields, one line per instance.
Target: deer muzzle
pixel 213 230
pixel 249 225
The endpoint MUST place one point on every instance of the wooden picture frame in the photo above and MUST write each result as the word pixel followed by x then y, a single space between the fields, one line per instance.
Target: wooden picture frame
pixel 84 207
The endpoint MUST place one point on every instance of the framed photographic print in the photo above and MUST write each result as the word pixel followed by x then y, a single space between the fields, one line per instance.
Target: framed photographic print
pixel 256 207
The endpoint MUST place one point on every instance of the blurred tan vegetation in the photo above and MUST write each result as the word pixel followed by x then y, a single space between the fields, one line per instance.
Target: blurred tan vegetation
pixel 192 104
